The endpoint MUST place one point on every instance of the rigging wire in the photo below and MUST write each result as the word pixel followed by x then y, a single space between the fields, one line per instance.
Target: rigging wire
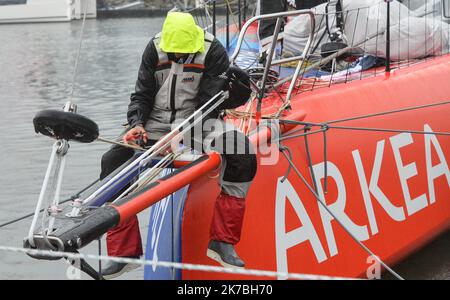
pixel 327 125
pixel 71 198
pixel 388 112
pixel 55 152
pixel 326 128
pixel 283 149
pixel 80 43
pixel 390 130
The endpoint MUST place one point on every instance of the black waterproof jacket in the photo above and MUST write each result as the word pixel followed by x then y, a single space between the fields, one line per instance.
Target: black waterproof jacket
pixel 213 81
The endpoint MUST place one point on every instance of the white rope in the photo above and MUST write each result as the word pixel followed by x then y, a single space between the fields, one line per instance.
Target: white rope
pixel 165 141
pixel 183 266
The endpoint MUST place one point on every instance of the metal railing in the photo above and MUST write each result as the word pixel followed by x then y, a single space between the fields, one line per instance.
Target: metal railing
pixel 390 43
pixel 270 62
pixel 223 18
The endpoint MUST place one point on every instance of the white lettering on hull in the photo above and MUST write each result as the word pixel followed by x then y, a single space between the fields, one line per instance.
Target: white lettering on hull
pixel 337 208
pixel 307 232
pixel 434 172
pixel 395 212
pixel 285 240
pixel 406 172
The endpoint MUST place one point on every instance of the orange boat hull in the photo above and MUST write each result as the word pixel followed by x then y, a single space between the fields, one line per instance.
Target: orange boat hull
pixel 392 190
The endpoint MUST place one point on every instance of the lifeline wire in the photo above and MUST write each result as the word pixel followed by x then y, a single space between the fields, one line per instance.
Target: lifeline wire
pixel 326 125
pixel 291 163
pixel 389 112
pixel 181 266
pixel 389 130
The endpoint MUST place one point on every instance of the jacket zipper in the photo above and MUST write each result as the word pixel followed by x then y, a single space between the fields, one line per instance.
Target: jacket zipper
pixel 172 98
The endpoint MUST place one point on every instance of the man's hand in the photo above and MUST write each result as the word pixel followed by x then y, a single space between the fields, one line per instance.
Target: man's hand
pixel 135 133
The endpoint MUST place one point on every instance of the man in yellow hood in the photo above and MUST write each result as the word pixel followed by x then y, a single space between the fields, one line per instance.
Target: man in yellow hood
pixel 182 68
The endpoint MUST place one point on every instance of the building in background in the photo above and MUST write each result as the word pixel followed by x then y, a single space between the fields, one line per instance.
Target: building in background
pixel 23 11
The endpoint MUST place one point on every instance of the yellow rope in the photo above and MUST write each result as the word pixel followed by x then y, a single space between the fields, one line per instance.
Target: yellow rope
pixel 233 113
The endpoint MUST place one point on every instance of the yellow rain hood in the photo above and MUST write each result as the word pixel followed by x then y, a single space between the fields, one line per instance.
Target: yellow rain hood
pixel 180 34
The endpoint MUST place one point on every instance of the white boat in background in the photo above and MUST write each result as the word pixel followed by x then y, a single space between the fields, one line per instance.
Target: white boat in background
pixel 24 11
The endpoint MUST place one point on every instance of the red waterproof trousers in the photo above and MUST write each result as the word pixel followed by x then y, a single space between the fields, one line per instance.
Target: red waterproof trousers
pixel 227 219
pixel 125 239
pixel 226 225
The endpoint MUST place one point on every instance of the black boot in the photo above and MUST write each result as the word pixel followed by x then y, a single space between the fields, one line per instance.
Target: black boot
pixel 224 254
pixel 115 269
